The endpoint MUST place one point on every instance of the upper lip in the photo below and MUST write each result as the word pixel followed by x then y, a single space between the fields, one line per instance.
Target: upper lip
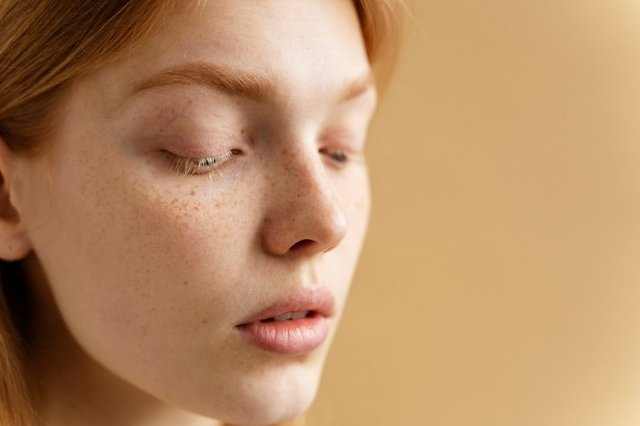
pixel 317 300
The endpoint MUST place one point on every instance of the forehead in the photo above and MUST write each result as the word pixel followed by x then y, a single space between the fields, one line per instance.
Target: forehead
pixel 305 47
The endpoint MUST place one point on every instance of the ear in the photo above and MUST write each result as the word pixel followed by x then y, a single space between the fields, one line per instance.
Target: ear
pixel 14 243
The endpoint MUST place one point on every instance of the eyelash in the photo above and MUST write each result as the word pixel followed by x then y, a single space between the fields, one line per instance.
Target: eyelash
pixel 338 156
pixel 199 165
pixel 206 165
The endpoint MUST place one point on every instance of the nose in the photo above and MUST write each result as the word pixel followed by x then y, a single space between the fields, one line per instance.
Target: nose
pixel 304 215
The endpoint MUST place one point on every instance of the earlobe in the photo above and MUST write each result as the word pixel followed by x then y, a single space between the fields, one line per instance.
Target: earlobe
pixel 14 243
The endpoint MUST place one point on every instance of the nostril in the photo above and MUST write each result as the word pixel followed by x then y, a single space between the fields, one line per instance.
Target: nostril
pixel 302 244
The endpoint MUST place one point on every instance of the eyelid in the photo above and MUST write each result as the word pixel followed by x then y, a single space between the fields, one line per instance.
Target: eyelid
pixel 189 166
pixel 338 156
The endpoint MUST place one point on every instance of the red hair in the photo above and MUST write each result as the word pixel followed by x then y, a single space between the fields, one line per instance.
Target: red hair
pixel 45 45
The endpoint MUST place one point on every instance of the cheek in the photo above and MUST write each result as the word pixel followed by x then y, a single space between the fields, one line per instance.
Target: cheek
pixel 354 195
pixel 355 198
pixel 130 260
pixel 180 226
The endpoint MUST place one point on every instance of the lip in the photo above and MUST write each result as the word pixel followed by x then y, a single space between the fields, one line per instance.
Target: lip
pixel 296 336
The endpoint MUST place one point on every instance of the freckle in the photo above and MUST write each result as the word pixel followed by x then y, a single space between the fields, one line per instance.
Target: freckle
pixel 193 192
pixel 185 283
pixel 205 321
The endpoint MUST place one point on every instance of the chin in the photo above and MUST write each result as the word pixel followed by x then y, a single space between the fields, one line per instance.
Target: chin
pixel 268 397
pixel 279 411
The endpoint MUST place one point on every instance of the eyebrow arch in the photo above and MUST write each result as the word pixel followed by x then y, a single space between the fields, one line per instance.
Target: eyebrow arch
pixel 232 82
pixel 235 82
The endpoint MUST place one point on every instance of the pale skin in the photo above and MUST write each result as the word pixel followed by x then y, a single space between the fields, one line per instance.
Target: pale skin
pixel 141 271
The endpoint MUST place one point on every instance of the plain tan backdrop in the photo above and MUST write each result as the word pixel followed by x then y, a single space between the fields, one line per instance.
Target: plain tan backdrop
pixel 500 282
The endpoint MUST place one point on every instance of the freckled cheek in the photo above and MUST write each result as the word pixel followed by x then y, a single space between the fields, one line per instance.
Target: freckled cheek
pixel 175 251
pixel 355 197
pixel 188 229
pixel 340 264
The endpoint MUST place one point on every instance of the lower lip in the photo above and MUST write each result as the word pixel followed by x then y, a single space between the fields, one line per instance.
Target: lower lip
pixel 293 337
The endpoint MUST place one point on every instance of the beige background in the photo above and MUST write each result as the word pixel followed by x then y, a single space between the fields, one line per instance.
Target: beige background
pixel 500 283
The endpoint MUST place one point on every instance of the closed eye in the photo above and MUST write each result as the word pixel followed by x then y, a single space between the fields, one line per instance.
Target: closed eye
pixel 337 156
pixel 190 166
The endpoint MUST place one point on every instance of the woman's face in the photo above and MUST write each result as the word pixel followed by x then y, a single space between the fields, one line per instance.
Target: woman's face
pixel 163 268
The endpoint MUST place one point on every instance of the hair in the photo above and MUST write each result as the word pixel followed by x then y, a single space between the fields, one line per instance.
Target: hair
pixel 45 45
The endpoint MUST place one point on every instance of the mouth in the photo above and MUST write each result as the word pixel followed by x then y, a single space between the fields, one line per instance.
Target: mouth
pixel 290 316
pixel 294 325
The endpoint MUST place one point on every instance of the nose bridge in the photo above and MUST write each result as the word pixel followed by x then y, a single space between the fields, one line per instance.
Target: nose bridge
pixel 305 214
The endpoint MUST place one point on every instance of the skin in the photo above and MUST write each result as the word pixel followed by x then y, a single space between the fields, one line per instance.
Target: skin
pixel 140 273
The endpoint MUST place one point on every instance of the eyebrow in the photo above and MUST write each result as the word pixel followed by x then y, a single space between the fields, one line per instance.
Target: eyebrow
pixel 235 82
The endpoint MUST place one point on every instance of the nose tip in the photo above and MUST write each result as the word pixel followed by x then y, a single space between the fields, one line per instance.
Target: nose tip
pixel 305 215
